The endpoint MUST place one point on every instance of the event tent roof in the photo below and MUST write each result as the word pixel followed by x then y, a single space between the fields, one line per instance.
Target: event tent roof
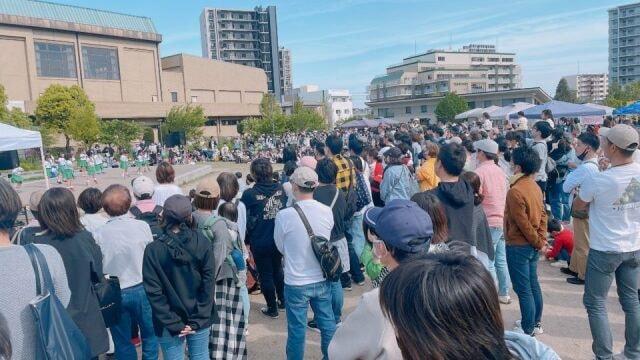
pixel 476 113
pixel 13 138
pixel 630 109
pixel 504 112
pixel 608 110
pixel 560 109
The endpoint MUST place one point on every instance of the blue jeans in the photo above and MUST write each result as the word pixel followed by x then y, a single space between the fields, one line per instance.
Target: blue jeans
pixel 246 304
pixel 355 273
pixel 357 233
pixel 559 201
pixel 135 306
pixel 602 267
pixel 297 300
pixel 498 267
pixel 564 255
pixel 173 346
pixel 522 261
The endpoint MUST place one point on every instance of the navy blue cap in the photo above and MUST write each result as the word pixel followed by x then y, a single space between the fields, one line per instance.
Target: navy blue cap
pixel 401 224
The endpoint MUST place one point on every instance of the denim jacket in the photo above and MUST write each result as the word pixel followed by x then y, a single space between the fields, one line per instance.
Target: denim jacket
pixel 396 183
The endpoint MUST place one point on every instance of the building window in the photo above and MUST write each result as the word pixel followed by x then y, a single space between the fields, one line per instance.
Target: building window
pixel 487 103
pixel 100 63
pixel 338 112
pixel 440 58
pixel 154 98
pixel 55 60
pixel 381 112
pixel 174 96
pixel 477 59
pixel 194 99
pixel 423 108
pixel 507 59
pixel 493 59
pixel 407 110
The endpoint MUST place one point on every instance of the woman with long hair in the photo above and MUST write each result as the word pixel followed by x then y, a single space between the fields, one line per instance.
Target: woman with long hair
pixel 481 232
pixel 82 259
pixel 430 203
pixel 445 306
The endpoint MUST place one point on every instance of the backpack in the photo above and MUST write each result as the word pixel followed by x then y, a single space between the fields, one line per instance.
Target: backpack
pixel 362 194
pixel 550 165
pixel 325 251
pixel 152 218
pixel 235 256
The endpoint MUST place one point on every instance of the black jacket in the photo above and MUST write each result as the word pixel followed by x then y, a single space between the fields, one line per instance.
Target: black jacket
pixel 325 194
pixel 82 256
pixel 457 199
pixel 263 201
pixel 179 281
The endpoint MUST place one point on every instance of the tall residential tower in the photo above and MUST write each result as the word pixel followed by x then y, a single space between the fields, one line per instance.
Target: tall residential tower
pixel 285 71
pixel 245 37
pixel 624 44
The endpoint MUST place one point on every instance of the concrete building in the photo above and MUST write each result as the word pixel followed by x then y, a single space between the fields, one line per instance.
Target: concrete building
pixel 337 103
pixel 245 37
pixel 624 44
pixel 115 58
pixel 589 87
pixel 409 107
pixel 472 69
pixel 284 56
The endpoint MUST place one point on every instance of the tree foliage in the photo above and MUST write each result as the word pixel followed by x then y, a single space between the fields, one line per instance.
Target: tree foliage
pixel 188 119
pixel 83 126
pixel 563 93
pixel 273 121
pixel 119 133
pixel 147 135
pixel 4 113
pixel 451 105
pixel 619 96
pixel 56 106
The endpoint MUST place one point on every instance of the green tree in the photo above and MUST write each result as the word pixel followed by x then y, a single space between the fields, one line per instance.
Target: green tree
pixel 619 96
pixel 83 126
pixel 57 104
pixel 451 105
pixel 119 133
pixel 188 119
pixel 16 117
pixel 147 135
pixel 303 119
pixel 563 93
pixel 4 113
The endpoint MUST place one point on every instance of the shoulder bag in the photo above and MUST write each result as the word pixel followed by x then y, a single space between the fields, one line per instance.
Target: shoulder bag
pixel 325 251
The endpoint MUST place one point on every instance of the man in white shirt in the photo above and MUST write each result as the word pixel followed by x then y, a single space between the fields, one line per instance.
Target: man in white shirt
pixel 540 131
pixel 304 281
pixel 548 117
pixel 523 123
pixel 586 151
pixel 613 197
pixel 123 240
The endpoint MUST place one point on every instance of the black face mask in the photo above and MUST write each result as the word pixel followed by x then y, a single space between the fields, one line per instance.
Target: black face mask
pixel 584 153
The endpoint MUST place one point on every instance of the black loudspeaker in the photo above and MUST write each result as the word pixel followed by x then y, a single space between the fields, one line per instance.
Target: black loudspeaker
pixel 9 160
pixel 175 139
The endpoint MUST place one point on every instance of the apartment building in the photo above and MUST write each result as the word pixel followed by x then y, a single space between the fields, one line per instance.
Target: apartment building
pixel 472 69
pixel 624 44
pixel 337 102
pixel 116 59
pixel 286 83
pixel 245 37
pixel 589 87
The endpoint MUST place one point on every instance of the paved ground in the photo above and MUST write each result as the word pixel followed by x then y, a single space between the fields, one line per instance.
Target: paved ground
pixel 565 320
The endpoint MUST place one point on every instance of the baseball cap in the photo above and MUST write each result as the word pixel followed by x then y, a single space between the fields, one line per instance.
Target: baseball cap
pixel 455 140
pixel 304 177
pixel 486 145
pixel 308 161
pixel 401 224
pixel 603 131
pixel 623 136
pixel 177 207
pixel 142 185
pixel 34 200
pixel 208 189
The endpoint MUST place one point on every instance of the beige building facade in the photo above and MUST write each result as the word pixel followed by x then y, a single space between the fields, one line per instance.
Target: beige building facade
pixel 116 59
pixel 589 87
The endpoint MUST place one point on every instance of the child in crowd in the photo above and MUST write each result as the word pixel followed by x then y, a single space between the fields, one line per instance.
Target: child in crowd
pixel 562 247
pixel 67 172
pixel 91 170
pixel 124 164
pixel 16 177
pixel 372 266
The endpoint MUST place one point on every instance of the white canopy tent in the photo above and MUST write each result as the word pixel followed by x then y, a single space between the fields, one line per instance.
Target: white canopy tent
pixel 476 113
pixel 504 112
pixel 13 138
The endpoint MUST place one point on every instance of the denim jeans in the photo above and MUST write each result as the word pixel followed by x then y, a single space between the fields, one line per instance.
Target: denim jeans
pixel 271 278
pixel 498 267
pixel 559 201
pixel 602 267
pixel 355 273
pixel 522 261
pixel 564 256
pixel 246 303
pixel 173 346
pixel 135 306
pixel 357 233
pixel 297 300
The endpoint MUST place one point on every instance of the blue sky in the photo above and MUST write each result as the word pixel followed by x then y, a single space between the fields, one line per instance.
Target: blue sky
pixel 345 43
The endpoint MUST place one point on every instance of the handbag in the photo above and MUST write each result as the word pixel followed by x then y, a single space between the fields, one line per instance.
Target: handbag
pixel 109 295
pixel 58 336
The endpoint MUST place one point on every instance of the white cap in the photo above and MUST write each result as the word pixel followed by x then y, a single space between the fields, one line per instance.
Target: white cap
pixel 486 145
pixel 142 185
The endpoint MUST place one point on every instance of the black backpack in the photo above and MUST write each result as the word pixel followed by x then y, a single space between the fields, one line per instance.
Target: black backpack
pixel 151 217
pixel 326 252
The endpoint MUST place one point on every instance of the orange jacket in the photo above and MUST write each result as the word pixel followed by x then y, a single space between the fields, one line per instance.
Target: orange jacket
pixel 426 175
pixel 525 218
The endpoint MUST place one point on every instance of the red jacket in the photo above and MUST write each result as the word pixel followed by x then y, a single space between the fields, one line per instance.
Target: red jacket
pixel 376 177
pixel 562 240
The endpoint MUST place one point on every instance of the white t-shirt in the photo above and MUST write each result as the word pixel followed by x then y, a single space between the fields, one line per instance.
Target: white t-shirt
pixel 636 156
pixel 614 210
pixel 300 264
pixel 541 148
pixel 164 191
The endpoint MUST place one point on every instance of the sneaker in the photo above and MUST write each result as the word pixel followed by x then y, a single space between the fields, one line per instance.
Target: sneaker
pixel 505 299
pixel 268 313
pixel 360 283
pixel 559 264
pixel 348 288
pixel 313 326
pixel 620 356
pixel 575 281
pixel 537 330
pixel 567 271
pixel 281 307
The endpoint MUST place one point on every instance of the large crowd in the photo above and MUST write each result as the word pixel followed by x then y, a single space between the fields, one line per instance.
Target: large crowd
pixel 444 221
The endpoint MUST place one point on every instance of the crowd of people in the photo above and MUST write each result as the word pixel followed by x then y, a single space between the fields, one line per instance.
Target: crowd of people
pixel 443 220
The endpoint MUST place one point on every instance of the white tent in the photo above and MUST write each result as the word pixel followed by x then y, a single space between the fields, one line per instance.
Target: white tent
pixel 608 110
pixel 13 138
pixel 504 112
pixel 476 113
